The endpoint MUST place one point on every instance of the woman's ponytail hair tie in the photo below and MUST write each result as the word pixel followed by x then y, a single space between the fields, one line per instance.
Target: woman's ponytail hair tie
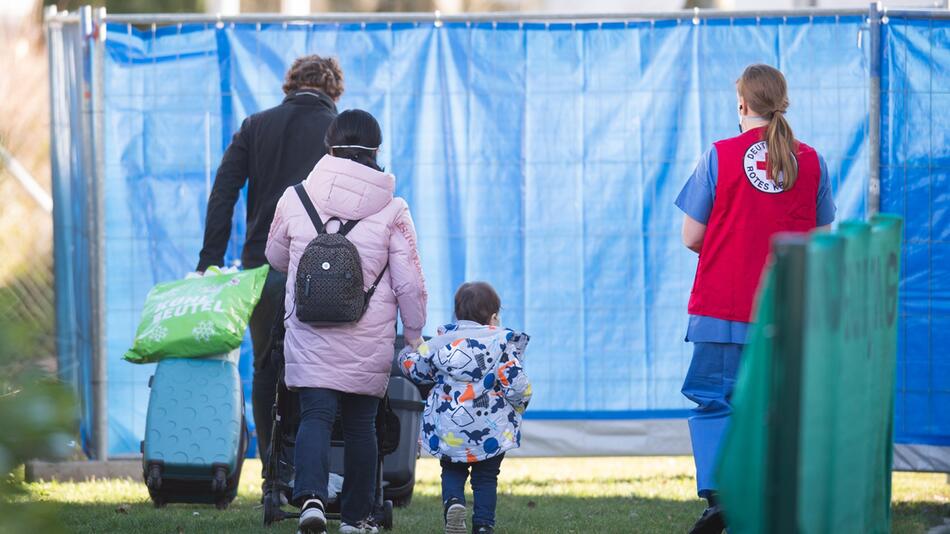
pixel 779 111
pixel 782 107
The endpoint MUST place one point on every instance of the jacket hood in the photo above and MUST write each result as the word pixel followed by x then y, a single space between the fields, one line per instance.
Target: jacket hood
pixel 471 338
pixel 348 190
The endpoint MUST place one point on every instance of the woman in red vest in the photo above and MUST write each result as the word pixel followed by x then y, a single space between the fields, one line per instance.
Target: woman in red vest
pixel 744 190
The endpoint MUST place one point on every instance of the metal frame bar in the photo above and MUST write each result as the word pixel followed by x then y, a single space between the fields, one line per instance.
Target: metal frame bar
pixel 26 180
pixel 874 111
pixel 53 55
pixel 93 162
pixel 940 14
pixel 85 117
pixel 99 163
pixel 427 17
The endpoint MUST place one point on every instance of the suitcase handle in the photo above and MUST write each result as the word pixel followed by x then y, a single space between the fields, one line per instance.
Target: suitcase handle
pixel 411 405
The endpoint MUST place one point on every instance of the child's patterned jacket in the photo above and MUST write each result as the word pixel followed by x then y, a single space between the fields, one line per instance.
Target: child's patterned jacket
pixel 480 390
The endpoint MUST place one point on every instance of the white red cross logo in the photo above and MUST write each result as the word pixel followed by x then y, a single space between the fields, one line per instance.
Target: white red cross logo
pixel 755 165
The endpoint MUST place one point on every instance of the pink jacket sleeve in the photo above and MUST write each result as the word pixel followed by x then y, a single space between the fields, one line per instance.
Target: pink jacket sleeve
pixel 405 269
pixel 278 240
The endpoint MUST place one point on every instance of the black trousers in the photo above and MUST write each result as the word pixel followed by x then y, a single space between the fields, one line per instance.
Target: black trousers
pixel 264 385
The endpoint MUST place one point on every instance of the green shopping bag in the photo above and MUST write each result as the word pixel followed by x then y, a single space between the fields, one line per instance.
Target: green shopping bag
pixel 197 316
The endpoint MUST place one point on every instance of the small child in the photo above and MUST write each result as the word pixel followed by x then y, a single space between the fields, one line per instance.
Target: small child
pixel 473 413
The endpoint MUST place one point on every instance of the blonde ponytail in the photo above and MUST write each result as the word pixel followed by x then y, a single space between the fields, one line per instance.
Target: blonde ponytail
pixel 783 167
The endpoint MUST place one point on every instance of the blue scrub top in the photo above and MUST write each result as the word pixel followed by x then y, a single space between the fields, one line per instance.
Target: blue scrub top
pixel 696 200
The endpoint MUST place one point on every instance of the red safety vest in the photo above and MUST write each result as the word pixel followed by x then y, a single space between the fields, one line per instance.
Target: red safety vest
pixel 747 210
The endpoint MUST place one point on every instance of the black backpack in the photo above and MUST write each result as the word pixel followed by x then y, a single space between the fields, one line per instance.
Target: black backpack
pixel 330 274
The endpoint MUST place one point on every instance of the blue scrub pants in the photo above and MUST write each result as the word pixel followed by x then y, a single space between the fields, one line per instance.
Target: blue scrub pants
pixel 709 383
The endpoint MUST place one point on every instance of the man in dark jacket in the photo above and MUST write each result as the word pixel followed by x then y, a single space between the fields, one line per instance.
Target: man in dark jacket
pixel 274 149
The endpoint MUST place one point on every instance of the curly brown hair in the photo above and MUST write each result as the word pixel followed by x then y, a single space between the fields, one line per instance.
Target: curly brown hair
pixel 322 73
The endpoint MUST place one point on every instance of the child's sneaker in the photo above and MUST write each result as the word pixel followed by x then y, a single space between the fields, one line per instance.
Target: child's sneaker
pixel 455 514
pixel 366 526
pixel 313 520
pixel 483 529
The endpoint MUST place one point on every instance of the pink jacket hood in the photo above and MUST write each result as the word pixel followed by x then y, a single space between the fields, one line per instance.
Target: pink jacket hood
pixel 357 357
pixel 348 190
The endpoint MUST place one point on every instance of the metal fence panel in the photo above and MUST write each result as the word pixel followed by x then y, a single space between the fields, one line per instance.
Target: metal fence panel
pixel 71 232
pixel 915 173
pixel 542 156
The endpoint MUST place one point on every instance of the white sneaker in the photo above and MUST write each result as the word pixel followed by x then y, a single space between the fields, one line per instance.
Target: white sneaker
pixel 363 527
pixel 313 520
pixel 455 516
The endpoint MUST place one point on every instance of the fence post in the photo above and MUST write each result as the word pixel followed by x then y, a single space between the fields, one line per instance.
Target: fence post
pixel 92 25
pixel 874 113
pixel 99 159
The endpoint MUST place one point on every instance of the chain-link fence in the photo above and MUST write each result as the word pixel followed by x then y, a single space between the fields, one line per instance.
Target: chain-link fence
pixel 27 309
pixel 27 303
pixel 26 277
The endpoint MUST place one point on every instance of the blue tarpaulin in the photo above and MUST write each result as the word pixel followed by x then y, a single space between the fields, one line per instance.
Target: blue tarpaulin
pixel 542 157
pixel 71 218
pixel 915 183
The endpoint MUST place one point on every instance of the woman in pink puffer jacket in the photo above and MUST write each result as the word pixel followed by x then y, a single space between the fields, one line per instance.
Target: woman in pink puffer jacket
pixel 347 365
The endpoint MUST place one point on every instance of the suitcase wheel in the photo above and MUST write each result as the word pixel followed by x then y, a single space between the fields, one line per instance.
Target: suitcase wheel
pixel 159 501
pixel 222 503
pixel 154 478
pixel 219 484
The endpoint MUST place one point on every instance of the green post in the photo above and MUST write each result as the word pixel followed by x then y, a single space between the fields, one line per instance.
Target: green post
pixel 786 378
pixel 886 231
pixel 809 446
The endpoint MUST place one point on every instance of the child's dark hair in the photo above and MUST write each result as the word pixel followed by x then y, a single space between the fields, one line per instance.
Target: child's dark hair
pixel 476 301
pixel 356 136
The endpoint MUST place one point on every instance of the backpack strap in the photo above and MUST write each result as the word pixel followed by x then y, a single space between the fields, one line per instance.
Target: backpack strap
pixel 372 288
pixel 311 210
pixel 315 217
pixel 345 228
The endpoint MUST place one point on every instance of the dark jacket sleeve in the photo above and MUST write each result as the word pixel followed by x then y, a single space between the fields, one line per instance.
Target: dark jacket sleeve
pixel 231 177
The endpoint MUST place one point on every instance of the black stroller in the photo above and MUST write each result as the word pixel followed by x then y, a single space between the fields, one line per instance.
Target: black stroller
pixel 279 466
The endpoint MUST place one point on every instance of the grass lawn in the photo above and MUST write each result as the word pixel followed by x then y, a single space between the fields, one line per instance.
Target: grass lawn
pixel 537 495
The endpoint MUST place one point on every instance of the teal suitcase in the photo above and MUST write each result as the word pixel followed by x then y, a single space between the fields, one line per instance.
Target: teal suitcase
pixel 195 433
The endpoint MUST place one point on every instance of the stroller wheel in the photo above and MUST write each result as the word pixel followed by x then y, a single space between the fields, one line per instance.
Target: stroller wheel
pixel 270 517
pixel 272 511
pixel 387 521
pixel 402 502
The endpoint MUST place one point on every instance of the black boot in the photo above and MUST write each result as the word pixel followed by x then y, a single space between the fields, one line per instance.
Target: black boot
pixel 483 529
pixel 711 522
